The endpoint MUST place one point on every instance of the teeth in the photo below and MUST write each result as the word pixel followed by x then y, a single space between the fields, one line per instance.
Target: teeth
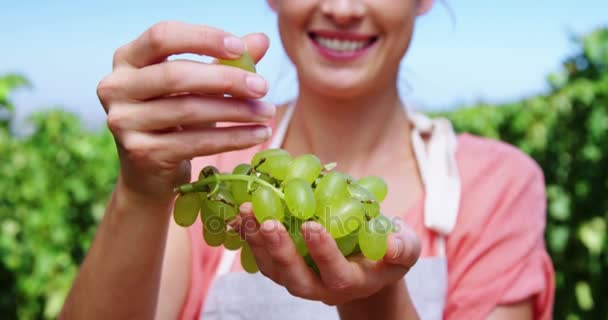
pixel 341 45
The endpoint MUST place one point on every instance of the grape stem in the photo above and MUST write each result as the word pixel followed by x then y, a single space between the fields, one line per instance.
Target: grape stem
pixel 330 166
pixel 200 185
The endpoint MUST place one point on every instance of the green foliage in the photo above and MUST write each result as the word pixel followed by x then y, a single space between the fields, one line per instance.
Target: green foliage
pixel 566 132
pixel 55 185
pixel 8 83
pixel 56 182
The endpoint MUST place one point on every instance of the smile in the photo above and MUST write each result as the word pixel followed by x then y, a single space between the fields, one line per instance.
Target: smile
pixel 342 44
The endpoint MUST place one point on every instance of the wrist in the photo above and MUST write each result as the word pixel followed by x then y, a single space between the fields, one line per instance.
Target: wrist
pixel 391 302
pixel 128 202
pixel 127 195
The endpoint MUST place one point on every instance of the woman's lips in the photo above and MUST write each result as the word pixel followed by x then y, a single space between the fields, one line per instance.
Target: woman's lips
pixel 340 46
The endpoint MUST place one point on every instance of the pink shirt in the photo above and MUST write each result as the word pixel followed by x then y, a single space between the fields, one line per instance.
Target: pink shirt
pixel 496 252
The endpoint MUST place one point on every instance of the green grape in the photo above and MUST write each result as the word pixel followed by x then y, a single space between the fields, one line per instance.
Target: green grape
pixel 349 179
pixel 310 262
pixel 299 198
pixel 356 249
pixel 208 171
pixel 275 162
pixel 269 179
pixel 221 204
pixel 267 205
pixel 275 166
pixel 342 216
pixel 294 228
pixel 367 199
pixel 226 185
pixel 206 213
pixel 239 188
pixel 214 231
pixel 242 168
pixel 248 260
pixel 244 62
pixel 347 244
pixel 306 166
pixel 267 153
pixel 186 209
pixel 233 240
pixel 330 187
pixel 375 185
pixel 373 237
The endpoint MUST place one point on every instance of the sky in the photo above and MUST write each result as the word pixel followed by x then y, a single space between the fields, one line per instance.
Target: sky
pixel 495 51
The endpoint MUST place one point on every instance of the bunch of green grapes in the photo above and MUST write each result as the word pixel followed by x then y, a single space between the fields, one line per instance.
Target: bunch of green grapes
pixel 292 191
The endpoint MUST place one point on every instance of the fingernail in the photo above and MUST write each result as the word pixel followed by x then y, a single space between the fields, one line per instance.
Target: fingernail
pixel 234 45
pixel 265 110
pixel 398 247
pixel 270 231
pixel 313 232
pixel 256 84
pixel 263 133
pixel 246 206
pixel 313 238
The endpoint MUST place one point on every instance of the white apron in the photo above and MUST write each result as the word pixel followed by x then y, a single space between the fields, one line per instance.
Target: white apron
pixel 246 296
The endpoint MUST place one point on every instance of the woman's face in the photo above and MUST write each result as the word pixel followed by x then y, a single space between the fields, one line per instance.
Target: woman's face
pixel 345 48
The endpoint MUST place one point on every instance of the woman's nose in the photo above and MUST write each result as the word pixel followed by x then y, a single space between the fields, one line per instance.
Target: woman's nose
pixel 343 12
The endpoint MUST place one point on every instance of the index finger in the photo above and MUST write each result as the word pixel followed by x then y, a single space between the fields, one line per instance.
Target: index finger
pixel 336 272
pixel 168 38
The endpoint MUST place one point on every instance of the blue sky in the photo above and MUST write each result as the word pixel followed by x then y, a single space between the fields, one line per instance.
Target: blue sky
pixel 492 50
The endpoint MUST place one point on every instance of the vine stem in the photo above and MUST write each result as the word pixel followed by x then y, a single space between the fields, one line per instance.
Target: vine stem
pixel 200 185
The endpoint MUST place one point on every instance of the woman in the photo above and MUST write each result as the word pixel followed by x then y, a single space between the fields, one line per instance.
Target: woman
pixel 476 207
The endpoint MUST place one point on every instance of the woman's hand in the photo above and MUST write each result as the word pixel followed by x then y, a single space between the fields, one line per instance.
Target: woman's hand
pixel 163 113
pixel 341 280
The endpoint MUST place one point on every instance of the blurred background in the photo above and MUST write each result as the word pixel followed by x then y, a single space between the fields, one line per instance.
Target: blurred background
pixel 534 74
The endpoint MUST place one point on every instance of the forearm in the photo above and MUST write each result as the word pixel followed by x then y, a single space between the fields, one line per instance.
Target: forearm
pixel 392 302
pixel 120 276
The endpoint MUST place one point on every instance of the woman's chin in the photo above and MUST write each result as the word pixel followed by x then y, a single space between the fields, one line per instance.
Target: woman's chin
pixel 341 87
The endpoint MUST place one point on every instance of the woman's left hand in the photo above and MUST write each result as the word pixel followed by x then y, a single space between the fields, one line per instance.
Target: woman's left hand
pixel 341 279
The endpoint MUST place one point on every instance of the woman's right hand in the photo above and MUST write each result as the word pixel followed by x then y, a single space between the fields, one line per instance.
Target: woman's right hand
pixel 163 113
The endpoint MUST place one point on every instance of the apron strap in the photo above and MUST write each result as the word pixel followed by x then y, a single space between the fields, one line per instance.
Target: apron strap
pixel 226 262
pixel 434 142
pixel 281 129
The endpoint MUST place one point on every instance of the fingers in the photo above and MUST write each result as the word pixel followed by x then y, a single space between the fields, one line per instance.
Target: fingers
pixel 250 231
pixel 401 255
pixel 187 111
pixel 179 76
pixel 170 148
pixel 337 273
pixel 290 269
pixel 257 44
pixel 279 245
pixel 168 38
pixel 277 257
pixel 208 141
pixel 403 247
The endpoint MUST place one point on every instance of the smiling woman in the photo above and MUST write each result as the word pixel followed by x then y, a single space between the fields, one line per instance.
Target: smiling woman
pixel 470 211
pixel 323 52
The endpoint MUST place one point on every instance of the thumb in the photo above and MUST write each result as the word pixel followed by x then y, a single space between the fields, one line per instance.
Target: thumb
pixel 403 247
pixel 257 45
